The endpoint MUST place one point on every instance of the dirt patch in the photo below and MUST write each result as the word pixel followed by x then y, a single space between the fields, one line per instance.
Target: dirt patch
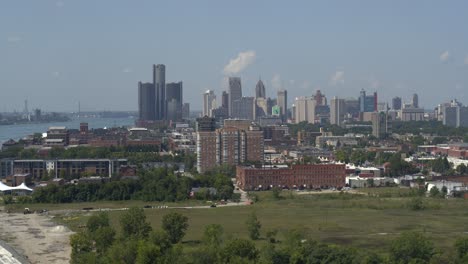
pixel 36 237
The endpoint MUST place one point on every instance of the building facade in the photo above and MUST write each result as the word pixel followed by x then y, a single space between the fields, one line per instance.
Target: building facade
pixel 396 103
pixel 146 101
pixel 71 168
pixel 244 108
pixel 159 82
pixel 235 92
pixel 229 145
pixel 308 175
pixel 282 102
pixel 174 99
pixel 260 90
pixel 209 102
pixel 337 111
pixel 305 110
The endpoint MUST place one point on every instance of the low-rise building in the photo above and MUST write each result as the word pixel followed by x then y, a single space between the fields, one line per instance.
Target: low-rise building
pixel 305 175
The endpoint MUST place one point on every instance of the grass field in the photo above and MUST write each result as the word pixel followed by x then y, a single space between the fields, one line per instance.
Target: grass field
pixel 348 219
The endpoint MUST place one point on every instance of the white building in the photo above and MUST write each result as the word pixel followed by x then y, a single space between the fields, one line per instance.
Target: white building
pixel 209 102
pixel 305 109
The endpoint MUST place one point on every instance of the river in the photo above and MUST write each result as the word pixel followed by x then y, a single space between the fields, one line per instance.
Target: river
pixel 21 130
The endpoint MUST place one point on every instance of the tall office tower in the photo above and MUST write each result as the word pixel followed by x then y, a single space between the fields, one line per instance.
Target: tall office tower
pixel 455 114
pixel 209 102
pixel 367 103
pixel 244 108
pixel 451 114
pixel 260 90
pixel 352 107
pixel 396 103
pixel 320 98
pixel 159 82
pixel 186 110
pixel 225 100
pixel 379 124
pixel 229 145
pixel 206 124
pixel 235 91
pixel 337 111
pixel 415 101
pixel 146 101
pixel 305 110
pixel 362 99
pixel 174 99
pixel 261 107
pixel 282 102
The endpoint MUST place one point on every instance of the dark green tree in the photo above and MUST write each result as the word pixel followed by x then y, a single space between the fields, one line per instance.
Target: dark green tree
pixel 239 251
pixel 213 235
pixel 133 223
pixel 276 193
pixel 175 225
pixel 461 245
pixel 412 247
pixel 97 221
pixel 253 226
pixel 434 192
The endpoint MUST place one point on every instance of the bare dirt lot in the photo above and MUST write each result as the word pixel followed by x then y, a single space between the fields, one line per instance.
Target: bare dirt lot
pixel 36 237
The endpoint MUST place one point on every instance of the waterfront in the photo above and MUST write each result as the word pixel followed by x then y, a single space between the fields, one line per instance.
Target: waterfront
pixel 22 130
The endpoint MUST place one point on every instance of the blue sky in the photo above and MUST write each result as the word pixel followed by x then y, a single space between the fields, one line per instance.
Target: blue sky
pixel 56 53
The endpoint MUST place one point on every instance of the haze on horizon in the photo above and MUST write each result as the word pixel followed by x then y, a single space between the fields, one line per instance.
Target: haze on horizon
pixel 58 53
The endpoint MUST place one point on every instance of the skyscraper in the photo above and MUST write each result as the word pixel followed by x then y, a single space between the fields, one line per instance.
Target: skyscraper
pixel 174 91
pixel 225 100
pixel 320 99
pixel 260 90
pixel 235 91
pixel 159 82
pixel 396 103
pixel 367 103
pixel 244 108
pixel 174 95
pixel 379 124
pixel 186 110
pixel 415 101
pixel 209 102
pixel 174 98
pixel 305 109
pixel 146 101
pixel 282 102
pixel 337 111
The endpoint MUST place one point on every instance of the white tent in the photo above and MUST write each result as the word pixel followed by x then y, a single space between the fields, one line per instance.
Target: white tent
pixel 21 187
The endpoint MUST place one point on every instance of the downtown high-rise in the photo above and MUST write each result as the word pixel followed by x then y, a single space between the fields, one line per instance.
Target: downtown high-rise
pixel 159 82
pixel 235 92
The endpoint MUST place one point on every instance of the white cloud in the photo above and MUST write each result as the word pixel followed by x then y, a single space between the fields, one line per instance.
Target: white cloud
pixel 13 39
pixel 466 60
pixel 56 74
pixel 238 64
pixel 444 56
pixel 276 82
pixel 374 83
pixel 305 85
pixel 337 78
pixel 127 70
pixel 59 4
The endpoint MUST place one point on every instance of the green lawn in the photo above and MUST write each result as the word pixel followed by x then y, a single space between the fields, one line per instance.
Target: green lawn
pixel 347 219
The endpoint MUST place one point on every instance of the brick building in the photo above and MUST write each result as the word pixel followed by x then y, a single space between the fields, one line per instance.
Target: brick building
pixel 308 175
pixel 229 145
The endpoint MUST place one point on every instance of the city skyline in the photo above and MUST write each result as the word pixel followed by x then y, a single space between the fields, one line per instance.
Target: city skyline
pixel 61 51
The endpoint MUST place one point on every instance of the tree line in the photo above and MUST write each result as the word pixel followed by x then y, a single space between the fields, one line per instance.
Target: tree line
pixel 137 242
pixel 152 185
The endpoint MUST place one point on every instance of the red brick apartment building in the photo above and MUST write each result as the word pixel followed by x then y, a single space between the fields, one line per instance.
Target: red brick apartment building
pixel 309 175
